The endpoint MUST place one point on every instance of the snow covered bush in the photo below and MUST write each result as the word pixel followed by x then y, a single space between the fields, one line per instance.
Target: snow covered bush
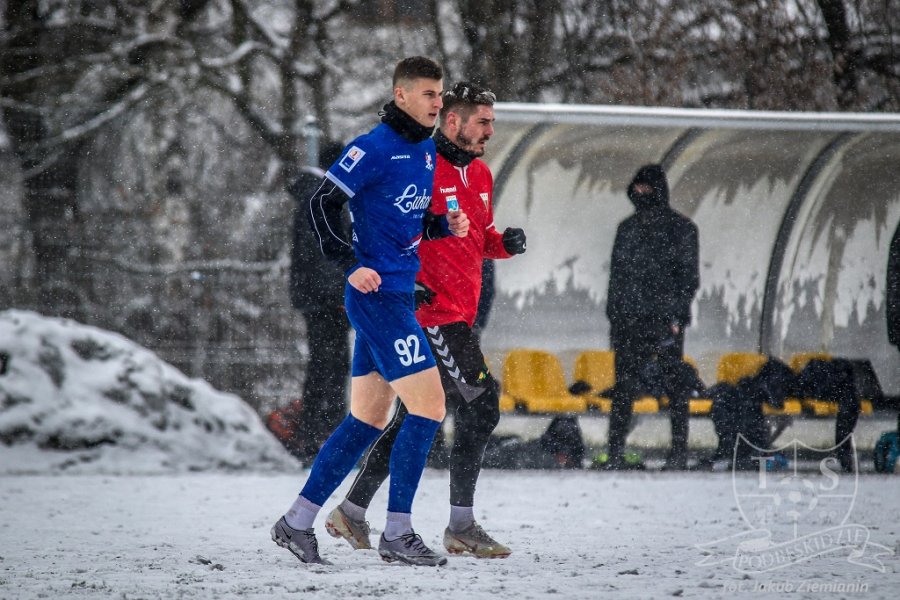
pixel 77 397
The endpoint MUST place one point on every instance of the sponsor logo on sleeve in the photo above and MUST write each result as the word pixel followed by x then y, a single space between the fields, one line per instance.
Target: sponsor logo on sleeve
pixel 428 162
pixel 351 158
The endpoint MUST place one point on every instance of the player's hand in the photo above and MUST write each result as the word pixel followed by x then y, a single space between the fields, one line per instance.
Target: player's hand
pixel 458 223
pixel 365 280
pixel 514 240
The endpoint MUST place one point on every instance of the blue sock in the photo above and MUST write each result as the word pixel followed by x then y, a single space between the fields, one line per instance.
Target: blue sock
pixel 408 458
pixel 338 456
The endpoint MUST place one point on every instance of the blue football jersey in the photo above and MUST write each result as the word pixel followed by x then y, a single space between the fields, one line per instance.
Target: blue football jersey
pixel 389 182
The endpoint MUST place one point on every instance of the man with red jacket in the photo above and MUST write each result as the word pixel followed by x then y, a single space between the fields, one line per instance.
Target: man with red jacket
pixel 448 290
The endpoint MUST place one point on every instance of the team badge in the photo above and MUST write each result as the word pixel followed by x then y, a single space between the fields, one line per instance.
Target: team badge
pixel 353 156
pixel 485 198
pixel 428 164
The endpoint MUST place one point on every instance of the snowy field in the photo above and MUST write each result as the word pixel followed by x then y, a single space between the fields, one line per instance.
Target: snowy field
pixel 574 535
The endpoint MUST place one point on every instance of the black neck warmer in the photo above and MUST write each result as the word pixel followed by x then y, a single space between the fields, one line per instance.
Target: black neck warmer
pixel 453 153
pixel 404 124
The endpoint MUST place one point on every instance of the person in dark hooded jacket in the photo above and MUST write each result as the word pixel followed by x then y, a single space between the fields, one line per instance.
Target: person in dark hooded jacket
pixel 316 289
pixel 653 276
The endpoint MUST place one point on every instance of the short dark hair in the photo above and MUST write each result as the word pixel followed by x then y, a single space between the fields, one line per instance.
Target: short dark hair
pixel 416 67
pixel 465 96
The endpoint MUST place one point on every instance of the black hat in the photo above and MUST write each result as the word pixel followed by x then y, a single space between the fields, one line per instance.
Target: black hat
pixel 654 176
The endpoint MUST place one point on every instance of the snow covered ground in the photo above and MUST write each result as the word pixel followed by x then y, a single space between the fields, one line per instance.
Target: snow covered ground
pixel 122 478
pixel 580 534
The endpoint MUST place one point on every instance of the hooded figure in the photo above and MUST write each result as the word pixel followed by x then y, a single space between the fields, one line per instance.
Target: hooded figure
pixel 654 272
pixel 653 276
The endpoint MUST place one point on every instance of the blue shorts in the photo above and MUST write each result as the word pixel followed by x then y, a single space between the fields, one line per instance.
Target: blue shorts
pixel 389 340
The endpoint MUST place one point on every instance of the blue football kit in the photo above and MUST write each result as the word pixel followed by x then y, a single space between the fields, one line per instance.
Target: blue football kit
pixel 387 175
pixel 389 182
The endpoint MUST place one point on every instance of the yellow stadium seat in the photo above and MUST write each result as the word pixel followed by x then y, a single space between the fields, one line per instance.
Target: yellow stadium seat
pixel 645 405
pixel 599 403
pixel 827 408
pixel 700 406
pixel 819 408
pixel 734 366
pixel 535 382
pixel 792 406
pixel 801 359
pixel 597 369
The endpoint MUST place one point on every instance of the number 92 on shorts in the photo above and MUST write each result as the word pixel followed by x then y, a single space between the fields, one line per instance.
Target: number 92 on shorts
pixel 389 340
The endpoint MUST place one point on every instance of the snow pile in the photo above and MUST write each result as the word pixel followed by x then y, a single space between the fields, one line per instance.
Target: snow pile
pixel 82 399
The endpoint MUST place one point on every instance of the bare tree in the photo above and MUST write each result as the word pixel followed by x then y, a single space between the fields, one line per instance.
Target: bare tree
pixel 865 51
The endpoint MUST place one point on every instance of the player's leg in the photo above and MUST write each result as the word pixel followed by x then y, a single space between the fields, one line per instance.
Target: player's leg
pixel 423 397
pixel 339 454
pixel 401 353
pixel 466 377
pixel 348 519
pixel 370 401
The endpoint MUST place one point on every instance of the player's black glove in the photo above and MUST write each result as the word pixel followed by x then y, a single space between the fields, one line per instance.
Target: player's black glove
pixel 424 294
pixel 514 240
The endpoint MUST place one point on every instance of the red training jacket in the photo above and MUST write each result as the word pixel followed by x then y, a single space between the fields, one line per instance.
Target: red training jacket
pixel 451 266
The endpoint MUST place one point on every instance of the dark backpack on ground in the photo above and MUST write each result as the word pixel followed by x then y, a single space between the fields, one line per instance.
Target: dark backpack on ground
pixel 559 447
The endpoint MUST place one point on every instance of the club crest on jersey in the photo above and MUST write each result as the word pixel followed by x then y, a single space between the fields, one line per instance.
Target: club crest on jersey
pixel 485 198
pixel 428 163
pixel 353 156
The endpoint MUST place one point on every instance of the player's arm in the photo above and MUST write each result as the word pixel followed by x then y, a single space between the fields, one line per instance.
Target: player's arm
pixel 325 216
pixel 503 245
pixel 686 274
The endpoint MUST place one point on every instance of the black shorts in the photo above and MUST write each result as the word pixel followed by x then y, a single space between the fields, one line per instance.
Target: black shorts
pixel 464 372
